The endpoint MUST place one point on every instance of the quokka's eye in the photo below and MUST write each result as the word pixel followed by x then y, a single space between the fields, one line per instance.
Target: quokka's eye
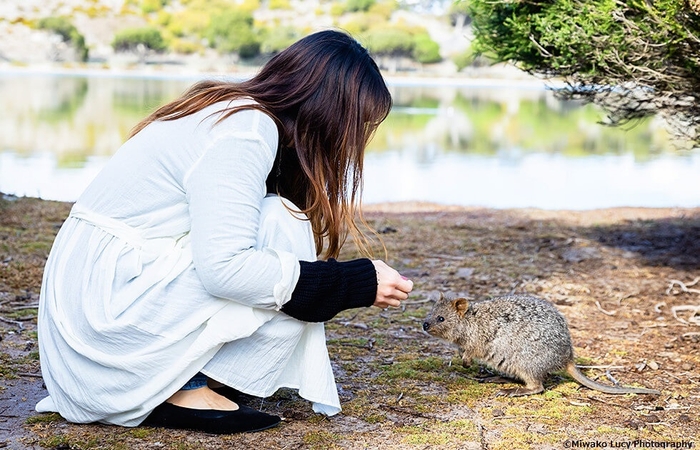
pixel 440 319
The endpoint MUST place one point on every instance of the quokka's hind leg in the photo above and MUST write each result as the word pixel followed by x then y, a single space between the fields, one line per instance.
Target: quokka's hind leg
pixel 532 386
pixel 498 379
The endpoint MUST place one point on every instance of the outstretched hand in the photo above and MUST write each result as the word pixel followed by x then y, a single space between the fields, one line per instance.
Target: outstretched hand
pixel 392 288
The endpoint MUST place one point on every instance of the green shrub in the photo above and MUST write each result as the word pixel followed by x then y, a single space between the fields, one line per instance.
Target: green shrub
pixel 359 5
pixel 189 22
pixel 130 38
pixel 388 41
pixel 464 58
pixel 64 28
pixel 280 4
pixel 425 49
pixel 185 47
pixel 279 38
pixel 149 6
pixel 337 9
pixel 469 57
pixel 384 8
pixel 231 31
pixel 357 23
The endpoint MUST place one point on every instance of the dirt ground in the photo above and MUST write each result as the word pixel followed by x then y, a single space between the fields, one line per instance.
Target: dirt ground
pixel 622 277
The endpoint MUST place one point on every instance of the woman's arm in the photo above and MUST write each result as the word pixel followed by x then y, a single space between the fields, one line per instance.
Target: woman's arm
pixel 225 190
pixel 326 288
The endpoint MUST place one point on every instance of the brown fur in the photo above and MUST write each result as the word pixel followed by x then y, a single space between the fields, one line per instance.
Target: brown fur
pixel 521 336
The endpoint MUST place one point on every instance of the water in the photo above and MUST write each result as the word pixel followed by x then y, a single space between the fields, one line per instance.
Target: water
pixel 475 143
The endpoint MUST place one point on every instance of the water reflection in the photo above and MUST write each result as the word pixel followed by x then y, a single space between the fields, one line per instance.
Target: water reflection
pixel 502 146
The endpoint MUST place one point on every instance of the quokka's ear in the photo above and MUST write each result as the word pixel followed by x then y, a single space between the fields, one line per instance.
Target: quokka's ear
pixel 442 297
pixel 461 305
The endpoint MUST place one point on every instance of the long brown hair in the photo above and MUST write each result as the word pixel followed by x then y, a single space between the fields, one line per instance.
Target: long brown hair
pixel 328 97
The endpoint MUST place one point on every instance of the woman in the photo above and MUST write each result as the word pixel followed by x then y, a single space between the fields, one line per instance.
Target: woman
pixel 188 269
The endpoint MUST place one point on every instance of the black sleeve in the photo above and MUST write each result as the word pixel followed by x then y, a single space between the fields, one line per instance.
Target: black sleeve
pixel 326 288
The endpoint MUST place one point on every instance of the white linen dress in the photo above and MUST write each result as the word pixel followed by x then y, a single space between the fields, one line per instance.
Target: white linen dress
pixel 174 261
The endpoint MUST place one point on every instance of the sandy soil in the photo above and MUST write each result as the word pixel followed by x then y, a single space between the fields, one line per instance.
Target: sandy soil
pixel 611 272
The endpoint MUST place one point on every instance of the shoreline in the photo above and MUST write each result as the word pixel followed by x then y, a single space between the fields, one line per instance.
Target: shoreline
pixel 479 79
pixel 420 207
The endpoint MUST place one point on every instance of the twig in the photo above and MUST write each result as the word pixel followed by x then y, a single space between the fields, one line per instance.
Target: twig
pixel 19 308
pixel 693 319
pixel 13 322
pixel 600 308
pixel 683 287
pixel 601 367
pixel 611 378
pixel 543 51
pixel 441 256
pixel 412 413
pixel 28 374
pixel 607 403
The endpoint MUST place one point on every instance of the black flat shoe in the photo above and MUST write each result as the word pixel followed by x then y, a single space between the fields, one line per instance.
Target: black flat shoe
pixel 242 420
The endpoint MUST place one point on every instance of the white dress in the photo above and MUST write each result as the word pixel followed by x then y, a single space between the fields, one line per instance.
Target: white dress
pixel 174 261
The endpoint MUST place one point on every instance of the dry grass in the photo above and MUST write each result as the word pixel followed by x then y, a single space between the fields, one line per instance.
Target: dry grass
pixel 607 271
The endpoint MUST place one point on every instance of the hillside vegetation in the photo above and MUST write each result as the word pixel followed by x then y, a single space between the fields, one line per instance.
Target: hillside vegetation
pixel 402 35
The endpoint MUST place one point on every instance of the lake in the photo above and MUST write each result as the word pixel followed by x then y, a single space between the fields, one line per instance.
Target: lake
pixel 498 144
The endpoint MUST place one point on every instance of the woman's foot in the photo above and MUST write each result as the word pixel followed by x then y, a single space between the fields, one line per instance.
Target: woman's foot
pixel 202 398
pixel 242 420
pixel 204 410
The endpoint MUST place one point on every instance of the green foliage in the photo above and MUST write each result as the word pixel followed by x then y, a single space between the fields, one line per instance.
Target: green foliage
pixel 469 57
pixel 130 38
pixel 231 31
pixel 402 41
pixel 464 58
pixel 358 23
pixel 280 4
pixel 279 38
pixel 633 57
pixel 425 49
pixel 187 22
pixel 64 28
pixel 359 5
pixel 149 6
pixel 337 9
pixel 459 7
pixel 384 8
pixel 388 41
pixel 185 47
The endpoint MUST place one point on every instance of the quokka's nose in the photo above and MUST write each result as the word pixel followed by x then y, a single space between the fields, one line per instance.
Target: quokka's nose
pixel 426 325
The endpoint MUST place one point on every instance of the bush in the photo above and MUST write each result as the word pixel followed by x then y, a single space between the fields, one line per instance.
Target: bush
pixel 130 38
pixel 232 31
pixel 357 23
pixel 464 59
pixel 389 42
pixel 634 58
pixel 188 22
pixel 280 4
pixel 185 47
pixel 426 50
pixel 278 39
pixel 64 28
pixel 149 6
pixel 358 5
pixel 337 9
pixel 385 8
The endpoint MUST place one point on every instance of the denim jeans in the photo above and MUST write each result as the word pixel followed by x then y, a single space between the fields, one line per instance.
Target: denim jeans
pixel 196 382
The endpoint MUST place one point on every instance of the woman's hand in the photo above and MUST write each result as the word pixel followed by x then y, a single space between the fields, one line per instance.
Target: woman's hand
pixel 392 288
